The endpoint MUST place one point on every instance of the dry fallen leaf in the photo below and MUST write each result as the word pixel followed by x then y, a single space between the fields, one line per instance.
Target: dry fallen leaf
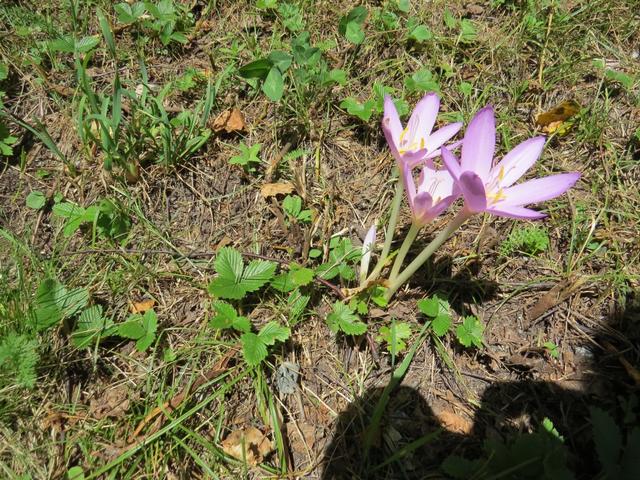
pixel 454 422
pixel 558 294
pixel 249 444
pixel 230 121
pixel 555 120
pixel 114 402
pixel 142 306
pixel 272 189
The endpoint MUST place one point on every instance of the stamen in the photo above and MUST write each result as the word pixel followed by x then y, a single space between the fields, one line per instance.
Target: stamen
pixel 496 197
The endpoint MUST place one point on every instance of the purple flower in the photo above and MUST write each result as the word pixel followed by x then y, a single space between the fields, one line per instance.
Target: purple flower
pixel 436 190
pixel 416 143
pixel 489 188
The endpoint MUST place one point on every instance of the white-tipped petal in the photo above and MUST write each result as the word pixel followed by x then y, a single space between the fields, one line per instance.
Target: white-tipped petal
pixel 368 247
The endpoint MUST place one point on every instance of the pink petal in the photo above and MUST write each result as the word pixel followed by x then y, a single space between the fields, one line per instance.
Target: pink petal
pixel 450 147
pixel 416 158
pixel 518 161
pixel 451 163
pixel 479 143
pixel 408 182
pixel 391 126
pixel 472 187
pixel 538 190
pixel 516 212
pixel 422 120
pixel 421 204
pixel 438 208
pixel 438 183
pixel 439 137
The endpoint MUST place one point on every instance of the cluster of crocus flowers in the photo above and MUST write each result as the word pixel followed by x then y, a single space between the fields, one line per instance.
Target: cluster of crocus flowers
pixel 484 184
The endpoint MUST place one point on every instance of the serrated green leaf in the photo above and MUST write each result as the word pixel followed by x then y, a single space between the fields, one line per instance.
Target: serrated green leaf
pixel 467 31
pixel 302 276
pixel 395 335
pixel 55 303
pixel 150 325
pixel 225 315
pixel 470 332
pixel 356 15
pixel 85 44
pixel 229 263
pixel 422 81
pixel 132 328
pixel 296 303
pixel 434 306
pixel 257 274
pixel 36 200
pixel 253 349
pixel 441 324
pixel 242 324
pixel 226 288
pixel 90 326
pixel 272 331
pixel 343 319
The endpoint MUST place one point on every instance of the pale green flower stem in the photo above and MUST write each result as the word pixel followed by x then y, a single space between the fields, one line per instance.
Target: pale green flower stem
pixel 395 283
pixel 404 249
pixel 388 236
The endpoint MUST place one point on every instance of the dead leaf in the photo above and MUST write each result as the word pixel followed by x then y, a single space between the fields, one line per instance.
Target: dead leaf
pixel 303 438
pixel 272 189
pixel 249 444
pixel 230 121
pixel 113 402
pixel 142 306
pixel 454 422
pixel 556 119
pixel 553 297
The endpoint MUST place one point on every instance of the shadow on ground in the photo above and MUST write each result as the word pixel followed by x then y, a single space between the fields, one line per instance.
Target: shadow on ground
pixel 507 432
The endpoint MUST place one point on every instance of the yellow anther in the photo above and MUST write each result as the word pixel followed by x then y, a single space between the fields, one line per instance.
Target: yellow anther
pixel 496 197
pixel 403 134
pixel 422 143
pixel 501 173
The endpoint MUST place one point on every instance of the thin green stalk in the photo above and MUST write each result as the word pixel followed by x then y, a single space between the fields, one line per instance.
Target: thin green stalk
pixel 442 237
pixel 388 236
pixel 404 249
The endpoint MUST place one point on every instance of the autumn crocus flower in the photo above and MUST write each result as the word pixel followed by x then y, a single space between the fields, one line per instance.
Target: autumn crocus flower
pixel 432 196
pixel 416 143
pixel 490 188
